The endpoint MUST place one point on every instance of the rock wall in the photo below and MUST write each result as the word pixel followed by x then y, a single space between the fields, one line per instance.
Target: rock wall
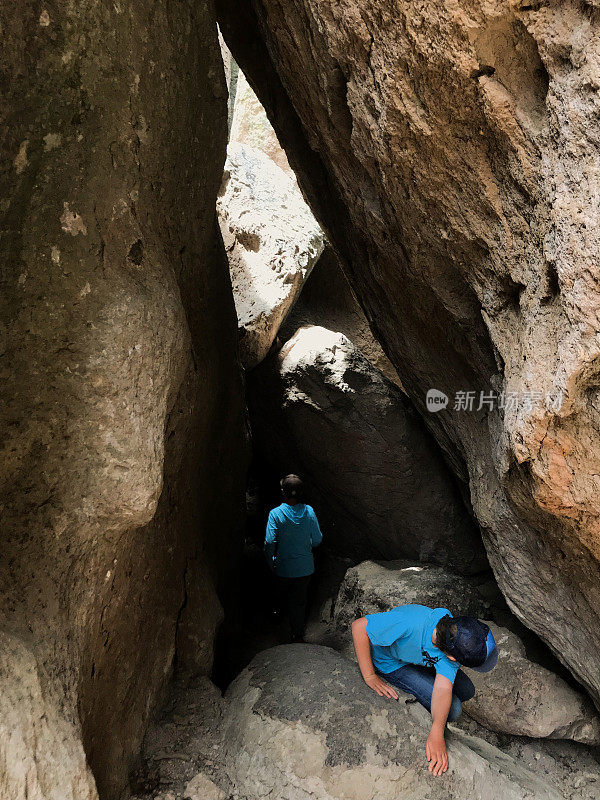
pixel 120 389
pixel 450 154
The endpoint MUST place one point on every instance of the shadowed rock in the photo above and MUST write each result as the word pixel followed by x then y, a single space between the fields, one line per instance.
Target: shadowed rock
pixel 525 699
pixel 378 481
pixel 121 424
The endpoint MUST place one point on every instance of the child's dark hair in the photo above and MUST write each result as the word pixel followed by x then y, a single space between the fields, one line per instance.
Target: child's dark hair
pixel 292 488
pixel 445 630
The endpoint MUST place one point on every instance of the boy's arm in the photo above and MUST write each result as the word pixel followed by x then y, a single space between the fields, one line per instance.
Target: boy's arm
pixel 270 540
pixel 362 646
pixel 435 749
pixel 316 537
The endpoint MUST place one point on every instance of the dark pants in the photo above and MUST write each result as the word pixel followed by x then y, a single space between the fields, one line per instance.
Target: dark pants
pixel 418 681
pixel 293 594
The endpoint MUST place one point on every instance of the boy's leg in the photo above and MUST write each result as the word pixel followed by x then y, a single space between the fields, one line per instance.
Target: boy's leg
pixel 418 681
pixel 414 680
pixel 297 606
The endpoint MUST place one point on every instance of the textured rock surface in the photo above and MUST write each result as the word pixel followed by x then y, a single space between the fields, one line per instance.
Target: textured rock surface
pixel 377 479
pixel 250 126
pixel 301 723
pixel 121 404
pixel 450 153
pixel 373 586
pixel 327 300
pixel 41 753
pixel 272 242
pixel 523 698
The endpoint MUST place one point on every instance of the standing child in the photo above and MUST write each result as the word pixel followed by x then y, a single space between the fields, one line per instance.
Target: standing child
pixel 420 650
pixel 292 532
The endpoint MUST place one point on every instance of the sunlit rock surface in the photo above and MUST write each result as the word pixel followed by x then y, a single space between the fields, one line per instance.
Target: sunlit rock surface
pixel 272 242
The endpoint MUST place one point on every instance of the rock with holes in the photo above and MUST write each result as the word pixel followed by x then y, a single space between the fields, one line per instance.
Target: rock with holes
pixel 525 699
pixel 377 479
pixel 301 724
pixel 450 151
pixel 272 242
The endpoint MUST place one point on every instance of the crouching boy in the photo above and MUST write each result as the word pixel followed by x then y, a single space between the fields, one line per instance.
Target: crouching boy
pixel 420 650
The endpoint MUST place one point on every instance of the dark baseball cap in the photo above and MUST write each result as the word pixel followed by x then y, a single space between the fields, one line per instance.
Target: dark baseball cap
pixel 467 641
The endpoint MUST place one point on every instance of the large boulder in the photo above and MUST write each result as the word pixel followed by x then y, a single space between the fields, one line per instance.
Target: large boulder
pixel 450 152
pixel 301 723
pixel 327 300
pixel 376 477
pixel 272 242
pixel 374 586
pixel 120 393
pixel 525 699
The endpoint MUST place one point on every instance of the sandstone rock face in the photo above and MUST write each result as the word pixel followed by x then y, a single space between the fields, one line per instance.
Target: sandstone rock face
pixel 41 752
pixel 272 242
pixel 376 478
pixel 327 300
pixel 119 399
pixel 373 586
pixel 302 724
pixel 450 153
pixel 250 126
pixel 522 698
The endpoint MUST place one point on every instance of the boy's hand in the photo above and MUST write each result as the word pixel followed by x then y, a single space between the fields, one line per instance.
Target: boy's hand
pixel 435 750
pixel 382 688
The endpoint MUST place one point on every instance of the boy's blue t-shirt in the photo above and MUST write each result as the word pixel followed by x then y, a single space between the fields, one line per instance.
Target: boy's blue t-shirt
pixel 403 636
pixel 292 532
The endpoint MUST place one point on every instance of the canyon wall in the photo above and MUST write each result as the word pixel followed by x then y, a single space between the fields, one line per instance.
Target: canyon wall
pixel 122 414
pixel 450 153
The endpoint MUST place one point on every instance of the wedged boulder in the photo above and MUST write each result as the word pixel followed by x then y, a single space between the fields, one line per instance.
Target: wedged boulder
pixel 301 723
pixel 377 479
pixel 272 242
pixel 327 300
pixel 121 404
pixel 525 699
pixel 449 151
pixel 371 587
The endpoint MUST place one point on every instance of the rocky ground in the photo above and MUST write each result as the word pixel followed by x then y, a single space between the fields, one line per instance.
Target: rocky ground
pixel 208 746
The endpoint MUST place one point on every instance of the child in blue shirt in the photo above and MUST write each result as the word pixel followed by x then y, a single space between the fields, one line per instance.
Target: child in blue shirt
pixel 420 650
pixel 292 533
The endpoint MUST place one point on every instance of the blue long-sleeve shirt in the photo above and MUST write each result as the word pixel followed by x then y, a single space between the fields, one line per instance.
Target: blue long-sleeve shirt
pixel 292 532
